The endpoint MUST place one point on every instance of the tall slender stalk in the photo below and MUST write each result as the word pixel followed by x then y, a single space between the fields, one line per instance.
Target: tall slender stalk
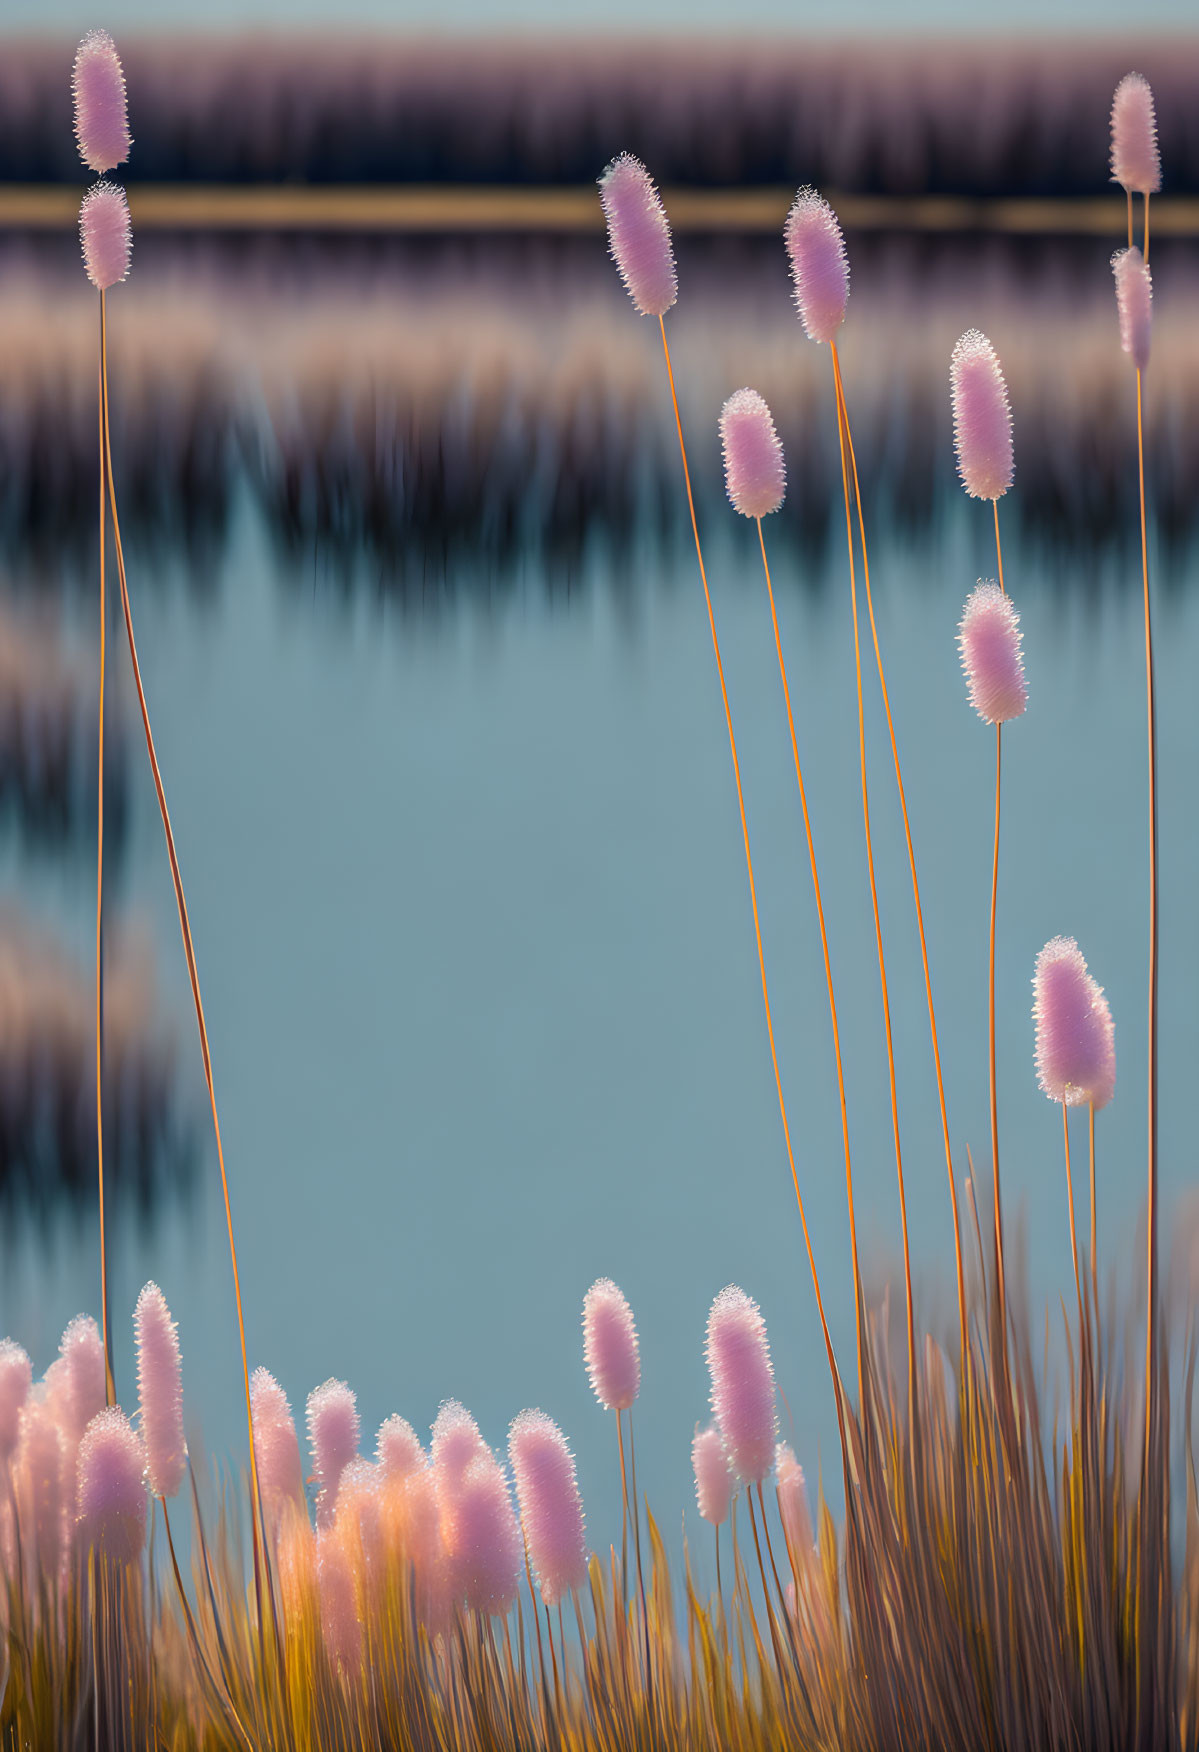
pixel 828 969
pixel 753 895
pixel 907 828
pixel 843 442
pixel 110 1392
pixel 189 955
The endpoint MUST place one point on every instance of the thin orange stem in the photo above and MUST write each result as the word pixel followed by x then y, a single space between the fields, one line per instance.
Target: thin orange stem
pixel 1145 252
pixel 624 1513
pixel 1000 1275
pixel 842 434
pixel 1151 713
pixel 1073 1227
pixel 998 544
pixel 1094 1245
pixel 803 802
pixel 753 895
pixel 928 984
pixel 193 975
pixel 110 1390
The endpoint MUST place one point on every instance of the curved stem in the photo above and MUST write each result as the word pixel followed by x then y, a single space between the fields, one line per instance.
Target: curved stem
pixel 753 897
pixel 193 977
pixel 843 439
pixel 828 969
pixel 907 828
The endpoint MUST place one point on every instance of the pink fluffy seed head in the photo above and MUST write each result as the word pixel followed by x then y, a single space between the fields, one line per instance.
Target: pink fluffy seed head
pixel 359 1516
pixel 793 1502
pixel 80 1387
pixel 276 1445
pixel 713 1480
pixel 41 1490
pixel 1136 163
pixel 332 1439
pixel 755 474
pixel 1075 1037
pixel 398 1449
pixel 989 641
pixel 101 111
pixel 106 235
pixel 16 1378
pixel 610 1348
pixel 111 1494
pixel 160 1392
pixel 738 1356
pixel 982 419
pixel 1134 304
pixel 639 235
pixel 456 1442
pixel 551 1509
pixel 487 1544
pixel 819 266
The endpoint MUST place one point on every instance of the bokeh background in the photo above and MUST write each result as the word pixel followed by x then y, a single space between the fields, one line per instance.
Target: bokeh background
pixel 431 683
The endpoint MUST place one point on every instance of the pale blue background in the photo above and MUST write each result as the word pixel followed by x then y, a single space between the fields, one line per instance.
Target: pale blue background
pixel 1063 17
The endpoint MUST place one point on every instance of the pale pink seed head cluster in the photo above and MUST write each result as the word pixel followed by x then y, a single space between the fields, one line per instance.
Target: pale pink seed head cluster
pixel 111 1491
pixel 101 112
pixel 738 1357
pixel 332 1439
pixel 1075 1036
pixel 276 1445
pixel 982 418
pixel 794 1512
pixel 639 235
pixel 106 235
pixel 551 1510
pixel 76 1379
pixel 359 1513
pixel 755 474
pixel 456 1441
pixel 160 1392
pixel 1136 163
pixel 16 1378
pixel 610 1348
pixel 819 265
pixel 989 641
pixel 43 1489
pixel 398 1449
pixel 713 1480
pixel 487 1551
pixel 1134 304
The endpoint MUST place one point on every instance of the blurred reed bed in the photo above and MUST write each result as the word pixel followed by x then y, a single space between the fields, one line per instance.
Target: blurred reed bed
pixel 406 407
pixel 47 1078
pixel 175 427
pixel 48 735
pixel 984 116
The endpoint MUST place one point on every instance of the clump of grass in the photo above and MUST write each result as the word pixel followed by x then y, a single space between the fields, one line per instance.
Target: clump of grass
pixel 989 1597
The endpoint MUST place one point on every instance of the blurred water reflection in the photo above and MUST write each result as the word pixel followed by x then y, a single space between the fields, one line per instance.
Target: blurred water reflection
pixel 435 706
pixel 406 407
